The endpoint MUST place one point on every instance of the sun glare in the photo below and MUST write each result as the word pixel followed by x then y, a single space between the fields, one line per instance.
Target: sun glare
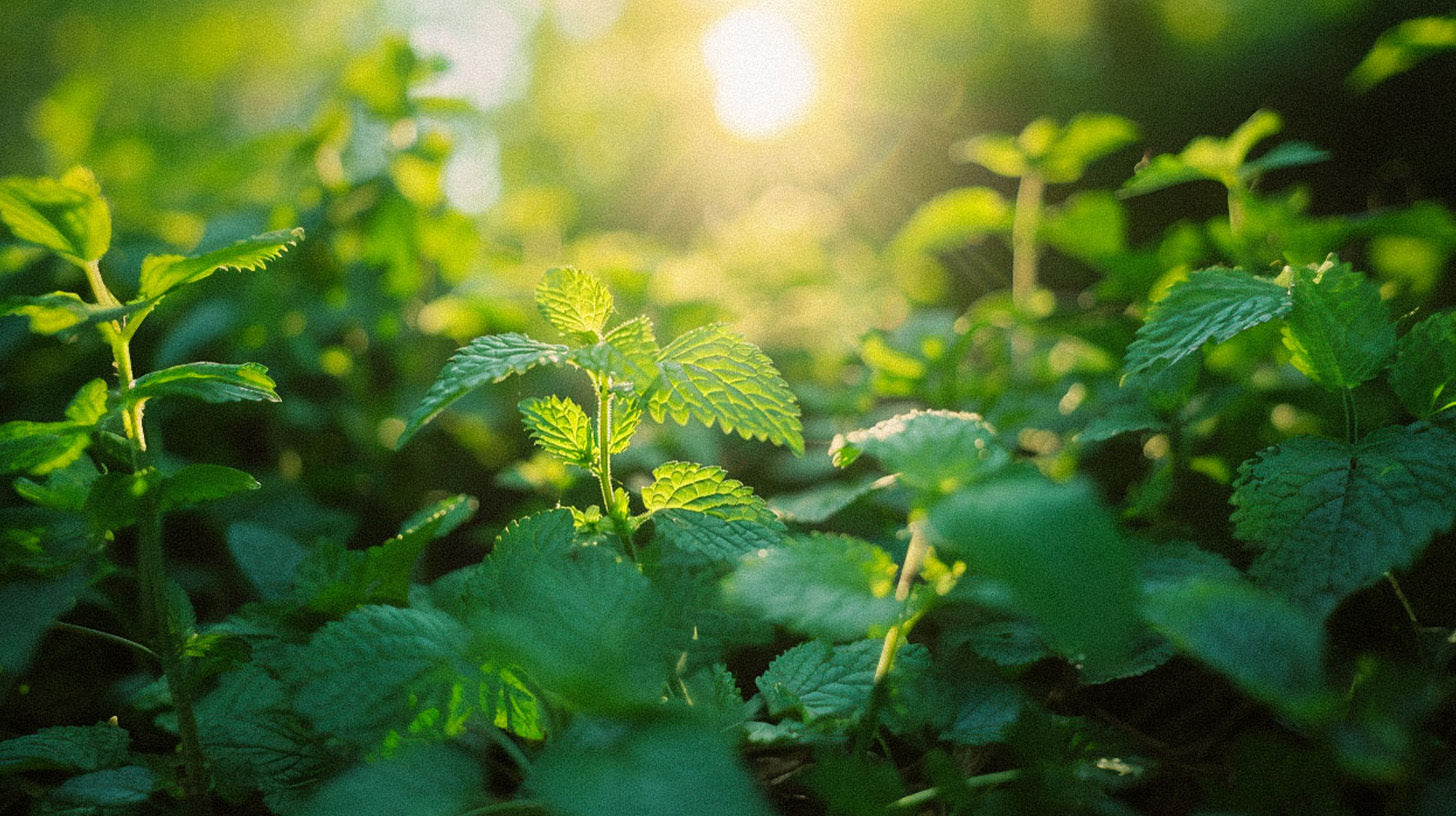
pixel 763 74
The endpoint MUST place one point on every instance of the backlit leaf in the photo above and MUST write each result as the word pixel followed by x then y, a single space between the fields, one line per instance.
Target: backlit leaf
pixel 1332 517
pixel 487 359
pixel 197 484
pixel 1339 330
pixel 62 313
pixel 1424 374
pixel 576 303
pixel 1401 47
pixel 561 428
pixel 705 489
pixel 931 451
pixel 67 216
pixel 162 273
pixel 713 375
pixel 209 382
pixel 627 353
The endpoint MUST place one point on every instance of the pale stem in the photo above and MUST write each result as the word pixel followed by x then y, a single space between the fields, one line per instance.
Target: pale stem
pixel 1024 225
pixel 914 557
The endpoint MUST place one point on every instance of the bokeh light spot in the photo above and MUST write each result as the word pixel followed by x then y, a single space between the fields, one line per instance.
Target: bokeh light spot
pixel 763 74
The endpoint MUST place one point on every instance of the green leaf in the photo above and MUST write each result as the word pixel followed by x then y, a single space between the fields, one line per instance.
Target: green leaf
pixel 1211 305
pixel 198 484
pixel 29 607
pixel 627 353
pixel 427 779
pixel 162 273
pixel 828 686
pixel 667 765
pixel 831 587
pixel 115 501
pixel 254 740
pixel 1399 48
pixel 704 489
pixel 1424 374
pixel 88 406
pixel 62 313
pixel 1288 154
pixel 41 447
pixel 561 428
pixel 713 375
pixel 1269 647
pixel 705 539
pixel 931 451
pixel 576 303
pixel 74 748
pixel 487 359
pixel 818 504
pixel 626 416
pixel 101 791
pixel 1056 548
pixel 209 382
pixel 985 713
pixel 997 152
pixel 67 216
pixel 1008 642
pixel 1333 517
pixel 952 220
pixel 1339 330
pixel 1206 157
pixel 269 558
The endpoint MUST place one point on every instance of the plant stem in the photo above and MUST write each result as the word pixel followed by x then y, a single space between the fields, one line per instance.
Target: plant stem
pixel 914 557
pixel 1405 603
pixel 604 464
pixel 97 633
pixel 1352 420
pixel 1024 225
pixel 919 798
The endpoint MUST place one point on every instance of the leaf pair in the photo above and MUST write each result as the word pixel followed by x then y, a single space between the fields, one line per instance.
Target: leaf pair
pixel 1224 160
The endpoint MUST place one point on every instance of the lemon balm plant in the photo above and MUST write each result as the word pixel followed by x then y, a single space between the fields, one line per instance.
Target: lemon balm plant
pixel 96 462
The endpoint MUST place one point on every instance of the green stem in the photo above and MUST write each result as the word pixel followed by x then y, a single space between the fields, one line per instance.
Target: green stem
pixel 1236 209
pixel 97 633
pixel 1024 225
pixel 1405 603
pixel 914 558
pixel 1352 420
pixel 919 798
pixel 604 464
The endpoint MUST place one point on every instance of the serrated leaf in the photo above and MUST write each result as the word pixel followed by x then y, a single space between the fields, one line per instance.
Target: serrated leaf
pixel 626 416
pixel 41 447
pixel 485 360
pixel 1057 549
pixel 428 779
pixel 931 451
pixel 561 428
pixel 1211 305
pixel 209 382
pixel 162 273
pixel 66 215
pixel 985 713
pixel 1333 517
pixel 705 489
pixel 576 303
pixel 1424 374
pixel 63 313
pixel 817 679
pixel 700 538
pixel 1339 330
pixel 1269 647
pixel 1008 643
pixel 831 587
pixel 254 740
pixel 74 748
pixel 637 768
pixel 713 375
pixel 627 353
pixel 197 484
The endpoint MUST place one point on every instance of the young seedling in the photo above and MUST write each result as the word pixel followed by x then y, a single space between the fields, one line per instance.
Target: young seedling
pixel 69 217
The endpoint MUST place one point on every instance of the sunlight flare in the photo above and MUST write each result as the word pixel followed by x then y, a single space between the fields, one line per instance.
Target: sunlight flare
pixel 763 74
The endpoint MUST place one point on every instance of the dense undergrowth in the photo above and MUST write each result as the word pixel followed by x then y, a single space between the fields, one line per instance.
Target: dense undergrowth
pixel 1174 541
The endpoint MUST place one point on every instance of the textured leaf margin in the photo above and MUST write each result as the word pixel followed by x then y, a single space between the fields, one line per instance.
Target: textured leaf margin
pixel 487 359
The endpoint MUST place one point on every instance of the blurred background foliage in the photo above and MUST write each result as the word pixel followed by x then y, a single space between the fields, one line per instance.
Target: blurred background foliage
pixel 442 155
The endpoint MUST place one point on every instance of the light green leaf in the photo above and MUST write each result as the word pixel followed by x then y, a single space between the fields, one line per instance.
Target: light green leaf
pixel 997 152
pixel 254 740
pixel 1424 374
pixel 1211 305
pixel 74 748
pixel 1339 330
pixel 713 375
pixel 1207 157
pixel 487 359
pixel 88 406
pixel 666 765
pixel 561 428
pixel 576 303
pixel 1333 517
pixel 209 382
pixel 1086 138
pixel 1090 225
pixel 1058 551
pixel 934 452
pixel 832 587
pixel 626 416
pixel 429 779
pixel 952 220
pixel 198 484
pixel 1399 48
pixel 701 538
pixel 704 489
pixel 67 216
pixel 627 353
pixel 63 313
pixel 162 273
pixel 1269 647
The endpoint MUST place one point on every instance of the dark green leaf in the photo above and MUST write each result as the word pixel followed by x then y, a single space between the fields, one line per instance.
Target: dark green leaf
pixel 428 779
pixel 1269 647
pixel 1288 154
pixel 253 740
pixel 829 685
pixel 831 587
pixel 576 303
pixel 984 714
pixel 75 748
pixel 209 382
pixel 269 558
pixel 561 428
pixel 818 504
pixel 1339 329
pixel 41 447
pixel 1212 304
pixel 1424 374
pixel 29 607
pixel 487 359
pixel 1333 517
pixel 1056 548
pixel 712 375
pixel 198 484
pixel 931 451
pixel 103 790
pixel 163 273
pixel 702 538
pixel 67 216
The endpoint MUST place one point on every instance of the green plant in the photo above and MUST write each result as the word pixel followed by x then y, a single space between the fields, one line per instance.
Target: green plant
pixel 124 484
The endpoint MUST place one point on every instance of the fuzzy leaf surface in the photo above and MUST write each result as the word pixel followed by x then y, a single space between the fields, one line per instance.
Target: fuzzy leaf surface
pixel 485 360
pixel 561 428
pixel 209 382
pixel 932 451
pixel 66 215
pixel 1339 330
pixel 626 353
pixel 1424 374
pixel 253 738
pixel 162 273
pixel 1332 518
pixel 817 680
pixel 74 748
pixel 1211 305
pixel 831 587
pixel 713 375
pixel 576 303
